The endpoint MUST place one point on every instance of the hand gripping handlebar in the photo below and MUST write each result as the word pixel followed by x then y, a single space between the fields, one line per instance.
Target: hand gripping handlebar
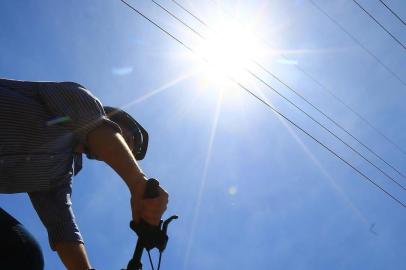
pixel 149 236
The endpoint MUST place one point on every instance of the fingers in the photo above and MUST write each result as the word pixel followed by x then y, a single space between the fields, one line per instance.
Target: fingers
pixel 153 209
pixel 135 209
pixel 150 210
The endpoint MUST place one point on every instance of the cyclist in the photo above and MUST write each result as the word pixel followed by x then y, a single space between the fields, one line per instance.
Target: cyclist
pixel 45 129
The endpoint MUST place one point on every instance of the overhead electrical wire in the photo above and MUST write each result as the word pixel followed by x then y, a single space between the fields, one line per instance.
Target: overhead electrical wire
pixel 387 193
pixel 377 22
pixel 394 13
pixel 279 80
pixel 321 85
pixel 295 105
pixel 358 42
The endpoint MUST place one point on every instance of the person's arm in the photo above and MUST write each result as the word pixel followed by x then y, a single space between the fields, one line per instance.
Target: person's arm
pixel 108 145
pixel 54 207
pixel 73 255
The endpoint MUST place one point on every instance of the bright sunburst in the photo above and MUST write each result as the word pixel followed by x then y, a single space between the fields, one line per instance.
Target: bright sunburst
pixel 228 50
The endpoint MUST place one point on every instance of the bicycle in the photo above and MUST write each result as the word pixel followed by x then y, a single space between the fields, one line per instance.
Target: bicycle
pixel 149 236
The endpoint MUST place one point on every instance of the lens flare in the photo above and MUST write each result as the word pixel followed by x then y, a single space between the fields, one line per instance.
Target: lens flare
pixel 228 51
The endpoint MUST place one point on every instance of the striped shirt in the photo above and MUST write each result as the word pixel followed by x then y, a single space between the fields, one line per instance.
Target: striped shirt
pixel 40 124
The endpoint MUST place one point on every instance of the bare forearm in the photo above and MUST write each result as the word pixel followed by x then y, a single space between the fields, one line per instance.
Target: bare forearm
pixel 73 255
pixel 109 146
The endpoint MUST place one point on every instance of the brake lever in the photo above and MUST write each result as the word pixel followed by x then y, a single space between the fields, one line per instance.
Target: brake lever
pixel 149 236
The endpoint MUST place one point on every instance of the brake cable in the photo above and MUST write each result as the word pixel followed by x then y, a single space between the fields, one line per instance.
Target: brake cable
pixel 149 236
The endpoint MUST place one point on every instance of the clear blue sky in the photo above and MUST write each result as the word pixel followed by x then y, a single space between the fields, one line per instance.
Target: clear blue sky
pixel 252 192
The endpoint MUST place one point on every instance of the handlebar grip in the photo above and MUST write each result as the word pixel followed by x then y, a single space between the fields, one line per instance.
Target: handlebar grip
pixel 149 236
pixel 151 189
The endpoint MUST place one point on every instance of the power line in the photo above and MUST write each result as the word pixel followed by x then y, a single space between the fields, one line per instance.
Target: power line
pixel 377 22
pixel 394 13
pixel 300 109
pixel 191 14
pixel 335 123
pixel 358 42
pixel 321 85
pixel 297 107
pixel 362 118
pixel 179 20
pixel 272 108
pixel 279 80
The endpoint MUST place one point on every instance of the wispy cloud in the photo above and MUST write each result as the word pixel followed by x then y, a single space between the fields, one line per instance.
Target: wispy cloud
pixel 288 62
pixel 121 71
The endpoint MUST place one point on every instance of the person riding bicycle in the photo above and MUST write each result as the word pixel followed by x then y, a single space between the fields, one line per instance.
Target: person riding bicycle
pixel 45 127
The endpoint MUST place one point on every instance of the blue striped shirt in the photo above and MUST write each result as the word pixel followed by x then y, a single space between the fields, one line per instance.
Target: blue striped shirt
pixel 40 124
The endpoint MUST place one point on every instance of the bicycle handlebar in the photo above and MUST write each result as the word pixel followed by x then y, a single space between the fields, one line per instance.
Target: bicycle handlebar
pixel 149 236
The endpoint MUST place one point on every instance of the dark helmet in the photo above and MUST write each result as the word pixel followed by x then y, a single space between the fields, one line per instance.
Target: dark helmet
pixel 139 133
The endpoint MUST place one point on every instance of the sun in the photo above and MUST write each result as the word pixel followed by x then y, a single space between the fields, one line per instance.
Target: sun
pixel 229 50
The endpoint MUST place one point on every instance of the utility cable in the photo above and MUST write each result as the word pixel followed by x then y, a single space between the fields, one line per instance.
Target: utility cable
pixel 377 22
pixel 296 106
pixel 271 107
pixel 393 12
pixel 279 80
pixel 335 123
pixel 321 85
pixel 358 42
pixel 362 118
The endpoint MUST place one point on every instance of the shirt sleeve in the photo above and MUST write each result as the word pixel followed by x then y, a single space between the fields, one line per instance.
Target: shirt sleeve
pixel 72 103
pixel 54 208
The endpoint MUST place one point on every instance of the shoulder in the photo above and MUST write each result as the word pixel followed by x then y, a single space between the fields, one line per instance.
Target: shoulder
pixel 68 86
pixel 67 90
pixel 16 84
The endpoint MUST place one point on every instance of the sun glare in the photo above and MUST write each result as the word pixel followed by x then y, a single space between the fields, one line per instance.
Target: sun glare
pixel 228 51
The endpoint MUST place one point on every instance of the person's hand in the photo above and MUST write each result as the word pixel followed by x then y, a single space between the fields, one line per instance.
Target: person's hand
pixel 149 210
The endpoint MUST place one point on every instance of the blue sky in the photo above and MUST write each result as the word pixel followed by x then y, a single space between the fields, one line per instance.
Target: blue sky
pixel 252 192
